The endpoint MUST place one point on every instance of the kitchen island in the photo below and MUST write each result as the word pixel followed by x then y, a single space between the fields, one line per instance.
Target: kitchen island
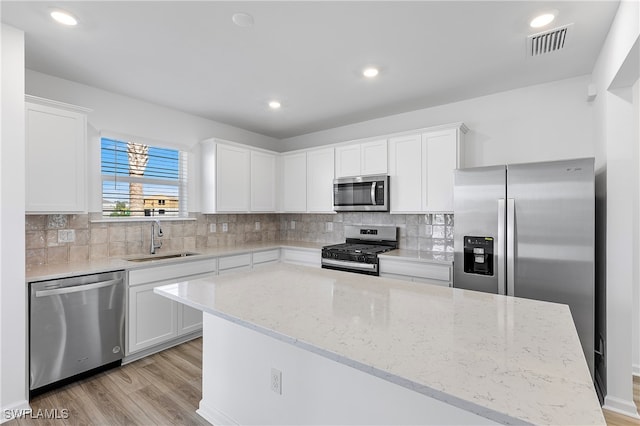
pixel 288 344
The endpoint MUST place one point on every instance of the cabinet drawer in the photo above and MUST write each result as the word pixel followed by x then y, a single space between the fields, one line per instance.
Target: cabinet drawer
pixel 429 271
pixel 301 257
pixel 235 261
pixel 168 272
pixel 266 256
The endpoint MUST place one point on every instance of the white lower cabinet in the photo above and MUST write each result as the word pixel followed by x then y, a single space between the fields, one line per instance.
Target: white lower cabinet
pixel 299 256
pixel 153 320
pixel 189 320
pixel 265 257
pixel 418 271
pixel 234 263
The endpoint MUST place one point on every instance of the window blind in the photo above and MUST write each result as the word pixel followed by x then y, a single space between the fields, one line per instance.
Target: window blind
pixel 142 180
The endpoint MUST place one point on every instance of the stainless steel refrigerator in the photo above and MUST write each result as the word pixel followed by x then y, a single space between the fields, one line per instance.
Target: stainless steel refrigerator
pixel 527 230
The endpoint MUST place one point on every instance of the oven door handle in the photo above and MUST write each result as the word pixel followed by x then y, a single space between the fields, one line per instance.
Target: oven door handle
pixel 76 288
pixel 373 193
pixel 359 265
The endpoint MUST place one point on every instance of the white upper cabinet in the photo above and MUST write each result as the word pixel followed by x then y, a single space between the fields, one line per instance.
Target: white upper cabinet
pixel 347 160
pixel 405 173
pixel 208 176
pixel 56 136
pixel 440 158
pixel 236 179
pixel 233 178
pixel 263 181
pixel 373 157
pixel 294 182
pixel 367 158
pixel 320 172
pixel 421 169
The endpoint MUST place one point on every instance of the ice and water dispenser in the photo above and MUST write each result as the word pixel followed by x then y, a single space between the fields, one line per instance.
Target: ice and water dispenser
pixel 478 255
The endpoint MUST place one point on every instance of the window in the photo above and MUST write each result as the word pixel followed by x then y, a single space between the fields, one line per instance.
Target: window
pixel 140 180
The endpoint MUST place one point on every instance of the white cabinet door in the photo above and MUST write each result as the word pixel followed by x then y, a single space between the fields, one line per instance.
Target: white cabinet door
pixel 367 158
pixel 373 158
pixel 440 159
pixel 405 171
pixel 152 318
pixel 263 182
pixel 55 159
pixel 189 319
pixel 208 169
pixel 320 173
pixel 294 182
pixel 347 161
pixel 232 178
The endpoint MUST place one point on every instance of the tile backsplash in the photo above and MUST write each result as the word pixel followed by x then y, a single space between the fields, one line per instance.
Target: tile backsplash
pixel 61 238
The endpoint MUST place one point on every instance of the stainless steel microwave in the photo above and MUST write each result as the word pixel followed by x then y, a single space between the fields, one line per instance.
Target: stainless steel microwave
pixel 361 194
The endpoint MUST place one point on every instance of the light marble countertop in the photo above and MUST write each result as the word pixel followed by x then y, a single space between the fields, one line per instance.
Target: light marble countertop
pixel 508 359
pixel 55 271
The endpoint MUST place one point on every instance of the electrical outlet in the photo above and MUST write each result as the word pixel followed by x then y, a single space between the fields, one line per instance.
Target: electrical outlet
pixel 212 227
pixel 329 227
pixel 293 224
pixel 257 226
pixel 276 381
pixel 66 235
pixel 225 227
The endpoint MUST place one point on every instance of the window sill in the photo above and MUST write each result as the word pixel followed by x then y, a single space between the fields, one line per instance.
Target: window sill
pixel 142 219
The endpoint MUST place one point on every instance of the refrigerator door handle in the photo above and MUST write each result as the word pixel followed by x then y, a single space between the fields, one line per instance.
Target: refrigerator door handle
pixel 511 215
pixel 500 247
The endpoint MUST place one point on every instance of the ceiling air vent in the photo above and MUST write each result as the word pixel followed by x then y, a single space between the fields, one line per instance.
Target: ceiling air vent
pixel 548 41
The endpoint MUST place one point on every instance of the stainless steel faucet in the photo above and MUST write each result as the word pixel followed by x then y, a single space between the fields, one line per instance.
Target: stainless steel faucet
pixel 155 245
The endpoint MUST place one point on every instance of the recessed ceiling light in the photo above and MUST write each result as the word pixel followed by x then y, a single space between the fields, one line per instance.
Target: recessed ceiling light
pixel 542 20
pixel 370 72
pixel 64 18
pixel 274 105
pixel 242 19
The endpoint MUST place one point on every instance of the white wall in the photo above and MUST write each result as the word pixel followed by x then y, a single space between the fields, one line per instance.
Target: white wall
pixel 617 165
pixel 129 116
pixel 13 321
pixel 536 123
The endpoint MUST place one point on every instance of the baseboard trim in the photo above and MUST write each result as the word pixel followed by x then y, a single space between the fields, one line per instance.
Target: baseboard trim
pixel 16 410
pixel 636 370
pixel 621 406
pixel 214 416
pixel 161 347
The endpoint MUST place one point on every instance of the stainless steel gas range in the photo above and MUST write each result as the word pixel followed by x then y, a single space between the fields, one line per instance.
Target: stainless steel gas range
pixel 360 251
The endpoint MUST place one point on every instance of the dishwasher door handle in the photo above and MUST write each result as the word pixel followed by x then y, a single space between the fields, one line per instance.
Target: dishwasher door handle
pixel 76 288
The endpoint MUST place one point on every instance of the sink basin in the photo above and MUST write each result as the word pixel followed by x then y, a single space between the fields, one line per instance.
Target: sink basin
pixel 153 257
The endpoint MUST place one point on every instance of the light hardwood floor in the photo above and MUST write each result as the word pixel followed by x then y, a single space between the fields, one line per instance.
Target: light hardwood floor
pixel 162 389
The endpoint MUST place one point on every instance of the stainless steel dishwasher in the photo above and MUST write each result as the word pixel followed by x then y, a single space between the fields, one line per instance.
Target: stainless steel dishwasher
pixel 76 325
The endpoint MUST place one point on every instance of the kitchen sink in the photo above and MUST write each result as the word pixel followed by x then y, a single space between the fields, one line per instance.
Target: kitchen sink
pixel 153 257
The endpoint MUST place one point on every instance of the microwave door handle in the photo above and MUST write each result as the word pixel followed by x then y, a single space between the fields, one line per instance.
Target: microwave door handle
pixel 373 193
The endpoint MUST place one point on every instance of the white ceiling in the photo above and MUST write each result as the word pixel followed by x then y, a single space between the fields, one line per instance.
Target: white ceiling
pixel 309 55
